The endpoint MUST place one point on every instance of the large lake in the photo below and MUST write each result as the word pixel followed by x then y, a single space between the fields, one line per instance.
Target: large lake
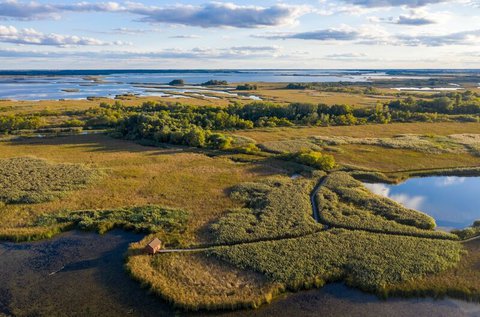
pixel 453 201
pixel 43 85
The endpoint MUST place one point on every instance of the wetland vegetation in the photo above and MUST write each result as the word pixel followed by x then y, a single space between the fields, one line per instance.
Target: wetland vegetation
pixel 234 189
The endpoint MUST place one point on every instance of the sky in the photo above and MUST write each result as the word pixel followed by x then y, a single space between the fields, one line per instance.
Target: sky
pixel 236 34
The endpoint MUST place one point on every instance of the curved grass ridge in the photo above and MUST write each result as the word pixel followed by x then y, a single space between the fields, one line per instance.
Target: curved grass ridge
pixel 31 180
pixel 344 202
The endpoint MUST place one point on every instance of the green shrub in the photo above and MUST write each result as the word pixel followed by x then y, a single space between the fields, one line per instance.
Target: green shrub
pixel 149 219
pixel 469 232
pixel 316 159
pixel 247 86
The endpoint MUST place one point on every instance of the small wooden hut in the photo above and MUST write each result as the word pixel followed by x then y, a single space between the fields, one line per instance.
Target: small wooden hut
pixel 153 246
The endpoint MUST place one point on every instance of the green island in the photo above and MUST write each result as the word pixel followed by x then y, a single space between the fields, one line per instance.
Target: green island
pixel 250 199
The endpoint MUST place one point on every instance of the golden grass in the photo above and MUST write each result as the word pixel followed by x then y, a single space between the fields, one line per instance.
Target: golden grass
pixel 393 160
pixel 135 175
pixel 25 106
pixel 197 281
pixel 279 95
pixel 361 131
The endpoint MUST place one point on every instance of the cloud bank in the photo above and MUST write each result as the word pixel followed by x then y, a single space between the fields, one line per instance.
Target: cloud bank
pixel 213 14
pixel 28 36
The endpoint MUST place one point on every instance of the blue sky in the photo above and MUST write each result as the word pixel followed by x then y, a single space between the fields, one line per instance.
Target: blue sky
pixel 239 34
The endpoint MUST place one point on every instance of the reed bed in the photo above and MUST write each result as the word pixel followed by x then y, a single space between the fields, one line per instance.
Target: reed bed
pixel 32 180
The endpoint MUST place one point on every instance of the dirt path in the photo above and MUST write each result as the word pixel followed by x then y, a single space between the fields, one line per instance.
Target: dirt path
pixel 315 215
pixel 471 239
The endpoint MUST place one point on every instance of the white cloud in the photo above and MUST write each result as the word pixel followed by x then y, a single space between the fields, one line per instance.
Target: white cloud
pixel 212 14
pixel 185 36
pixel 219 14
pixel 449 181
pixel 28 36
pixel 393 3
pixel 34 10
pixel 412 202
pixel 240 52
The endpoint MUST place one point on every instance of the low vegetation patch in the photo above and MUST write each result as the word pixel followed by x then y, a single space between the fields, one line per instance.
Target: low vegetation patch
pixel 196 281
pixel 432 144
pixel 462 281
pixel 470 232
pixel 149 219
pixel 31 180
pixel 274 208
pixel 369 261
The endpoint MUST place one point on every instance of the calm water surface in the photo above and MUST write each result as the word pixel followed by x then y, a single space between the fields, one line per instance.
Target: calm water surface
pixel 43 86
pixel 453 201
pixel 92 282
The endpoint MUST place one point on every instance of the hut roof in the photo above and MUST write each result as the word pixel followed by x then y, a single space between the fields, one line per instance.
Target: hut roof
pixel 155 243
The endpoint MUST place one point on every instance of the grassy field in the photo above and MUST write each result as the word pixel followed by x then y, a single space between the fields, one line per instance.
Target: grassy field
pixel 368 156
pixel 254 215
pixel 461 281
pixel 136 175
pixel 29 180
pixel 197 281
pixel 362 131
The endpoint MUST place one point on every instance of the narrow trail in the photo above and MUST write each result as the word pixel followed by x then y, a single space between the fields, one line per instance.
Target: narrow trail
pixel 471 239
pixel 315 215
pixel 315 211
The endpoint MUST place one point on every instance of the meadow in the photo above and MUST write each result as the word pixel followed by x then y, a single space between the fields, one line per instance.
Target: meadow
pixel 233 182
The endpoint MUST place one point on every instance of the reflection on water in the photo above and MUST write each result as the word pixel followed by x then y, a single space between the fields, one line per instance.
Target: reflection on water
pixel 451 200
pixel 82 274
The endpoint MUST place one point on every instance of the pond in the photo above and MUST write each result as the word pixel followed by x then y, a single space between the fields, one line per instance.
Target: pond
pixel 452 201
pixel 82 274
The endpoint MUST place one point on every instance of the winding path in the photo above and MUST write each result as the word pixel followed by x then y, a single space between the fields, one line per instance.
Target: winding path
pixel 315 215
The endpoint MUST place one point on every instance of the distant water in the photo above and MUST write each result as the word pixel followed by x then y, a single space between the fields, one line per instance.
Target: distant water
pixel 80 84
pixel 452 201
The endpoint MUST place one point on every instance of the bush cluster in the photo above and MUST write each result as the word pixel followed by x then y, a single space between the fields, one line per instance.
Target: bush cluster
pixel 149 219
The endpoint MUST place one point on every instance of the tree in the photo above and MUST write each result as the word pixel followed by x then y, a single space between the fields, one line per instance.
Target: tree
pixel 177 82
pixel 195 136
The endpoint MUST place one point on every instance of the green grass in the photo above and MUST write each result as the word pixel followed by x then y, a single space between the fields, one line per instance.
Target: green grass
pixel 169 224
pixel 365 260
pixel 344 202
pixel 432 144
pixel 469 232
pixel 274 208
pixel 461 281
pixel 31 180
